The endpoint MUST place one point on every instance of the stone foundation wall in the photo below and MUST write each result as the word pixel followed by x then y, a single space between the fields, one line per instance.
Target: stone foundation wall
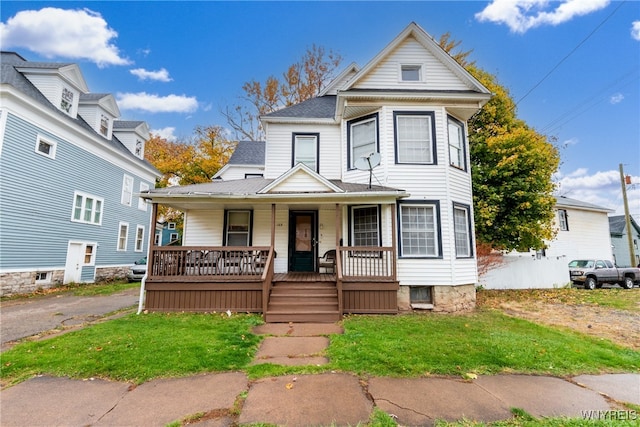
pixel 446 299
pixel 25 282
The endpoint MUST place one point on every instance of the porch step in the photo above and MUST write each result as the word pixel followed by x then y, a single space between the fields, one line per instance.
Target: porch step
pixel 303 302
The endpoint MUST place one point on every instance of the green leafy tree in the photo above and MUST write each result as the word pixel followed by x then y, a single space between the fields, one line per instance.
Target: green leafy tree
pixel 512 167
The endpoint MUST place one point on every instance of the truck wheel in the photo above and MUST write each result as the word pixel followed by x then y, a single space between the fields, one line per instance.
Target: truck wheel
pixel 628 283
pixel 590 283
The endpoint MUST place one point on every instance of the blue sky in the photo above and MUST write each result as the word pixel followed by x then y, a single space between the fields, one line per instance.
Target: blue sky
pixel 573 65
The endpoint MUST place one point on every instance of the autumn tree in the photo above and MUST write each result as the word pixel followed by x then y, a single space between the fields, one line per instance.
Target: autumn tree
pixel 189 161
pixel 302 80
pixel 511 167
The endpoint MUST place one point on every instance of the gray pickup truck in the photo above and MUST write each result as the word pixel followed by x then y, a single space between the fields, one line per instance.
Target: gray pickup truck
pixel 593 273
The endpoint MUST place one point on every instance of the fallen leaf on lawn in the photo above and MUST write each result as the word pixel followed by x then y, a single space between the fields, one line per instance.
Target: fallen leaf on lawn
pixel 289 386
pixel 470 376
pixel 98 348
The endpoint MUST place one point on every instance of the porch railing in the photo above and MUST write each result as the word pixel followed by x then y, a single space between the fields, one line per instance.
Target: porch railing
pixel 367 262
pixel 207 261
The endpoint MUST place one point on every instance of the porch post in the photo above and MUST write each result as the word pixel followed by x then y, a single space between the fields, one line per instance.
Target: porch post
pixel 393 242
pixel 273 225
pixel 338 271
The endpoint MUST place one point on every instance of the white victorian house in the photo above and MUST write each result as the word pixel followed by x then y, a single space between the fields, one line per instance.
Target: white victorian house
pixel 362 202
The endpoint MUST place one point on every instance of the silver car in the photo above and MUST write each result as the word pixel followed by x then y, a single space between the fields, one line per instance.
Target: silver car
pixel 137 270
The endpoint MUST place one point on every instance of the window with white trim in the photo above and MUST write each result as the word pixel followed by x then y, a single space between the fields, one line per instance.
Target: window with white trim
pixel 104 125
pixel 238 228
pixel 305 150
pixel 173 237
pixel 414 137
pixel 139 152
pixel 66 101
pixel 362 137
pixel 45 147
pixel 142 203
pixel 156 239
pixel 410 72
pixel 123 235
pixel 89 254
pixel 127 190
pixel 365 226
pixel 418 229
pixel 139 238
pixel 457 154
pixel 171 226
pixel 563 221
pixel 462 230
pixel 43 277
pixel 87 208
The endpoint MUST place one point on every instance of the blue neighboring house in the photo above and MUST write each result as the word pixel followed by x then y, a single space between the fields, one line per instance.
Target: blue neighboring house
pixel 167 233
pixel 70 173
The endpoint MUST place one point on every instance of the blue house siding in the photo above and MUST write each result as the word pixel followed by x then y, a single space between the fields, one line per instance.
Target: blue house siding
pixel 37 202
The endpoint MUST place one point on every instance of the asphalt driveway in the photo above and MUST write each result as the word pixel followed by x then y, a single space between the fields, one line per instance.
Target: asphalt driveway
pixel 27 317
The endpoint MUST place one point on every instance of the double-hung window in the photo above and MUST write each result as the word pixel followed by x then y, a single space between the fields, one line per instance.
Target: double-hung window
pixel 142 203
pixel 563 221
pixel 362 138
pixel 139 238
pixel 123 235
pixel 305 150
pixel 414 133
pixel 419 229
pixel 87 209
pixel 365 226
pixel 127 190
pixel 462 230
pixel 457 154
pixel 238 228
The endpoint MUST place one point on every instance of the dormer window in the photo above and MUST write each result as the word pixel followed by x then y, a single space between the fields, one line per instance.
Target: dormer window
pixel 67 100
pixel 411 73
pixel 104 125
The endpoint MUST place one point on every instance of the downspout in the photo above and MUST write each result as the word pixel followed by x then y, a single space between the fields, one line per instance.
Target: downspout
pixel 150 246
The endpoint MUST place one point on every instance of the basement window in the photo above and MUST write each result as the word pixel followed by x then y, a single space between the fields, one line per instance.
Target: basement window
pixel 421 297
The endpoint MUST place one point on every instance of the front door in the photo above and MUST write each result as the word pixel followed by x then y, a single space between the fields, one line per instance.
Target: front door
pixel 302 240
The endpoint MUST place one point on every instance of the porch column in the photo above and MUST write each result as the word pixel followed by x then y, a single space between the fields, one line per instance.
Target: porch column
pixel 273 225
pixel 393 242
pixel 338 224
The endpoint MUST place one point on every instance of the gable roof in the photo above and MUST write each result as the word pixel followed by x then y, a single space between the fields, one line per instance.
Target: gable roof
pixel 309 179
pixel 422 37
pixel 566 202
pixel 618 224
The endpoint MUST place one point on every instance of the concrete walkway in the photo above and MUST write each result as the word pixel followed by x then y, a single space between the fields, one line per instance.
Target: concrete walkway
pixel 305 400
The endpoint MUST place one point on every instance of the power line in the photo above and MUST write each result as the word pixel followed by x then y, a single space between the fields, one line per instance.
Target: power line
pixel 570 53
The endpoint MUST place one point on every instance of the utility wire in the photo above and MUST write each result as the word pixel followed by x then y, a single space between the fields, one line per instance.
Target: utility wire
pixel 570 53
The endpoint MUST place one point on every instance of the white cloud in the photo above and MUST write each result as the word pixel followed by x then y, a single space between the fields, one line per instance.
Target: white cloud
pixel 157 104
pixel 635 30
pixel 522 15
pixel 602 188
pixel 53 32
pixel 616 99
pixel 166 133
pixel 162 75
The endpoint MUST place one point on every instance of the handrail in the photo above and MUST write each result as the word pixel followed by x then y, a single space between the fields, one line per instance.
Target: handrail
pixel 367 261
pixel 267 279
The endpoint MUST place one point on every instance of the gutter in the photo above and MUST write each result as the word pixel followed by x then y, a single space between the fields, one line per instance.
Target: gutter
pixel 141 298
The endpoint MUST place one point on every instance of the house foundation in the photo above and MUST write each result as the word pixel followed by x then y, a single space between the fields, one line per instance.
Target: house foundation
pixel 445 299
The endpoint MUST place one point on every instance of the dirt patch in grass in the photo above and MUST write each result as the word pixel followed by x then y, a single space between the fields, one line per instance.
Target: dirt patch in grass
pixel 588 312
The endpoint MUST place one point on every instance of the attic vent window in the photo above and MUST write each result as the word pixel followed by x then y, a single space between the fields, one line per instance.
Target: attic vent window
pixel 411 73
pixel 67 100
pixel 139 148
pixel 104 125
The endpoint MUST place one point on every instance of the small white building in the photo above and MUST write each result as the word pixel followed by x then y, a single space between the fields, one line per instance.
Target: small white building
pixel 582 232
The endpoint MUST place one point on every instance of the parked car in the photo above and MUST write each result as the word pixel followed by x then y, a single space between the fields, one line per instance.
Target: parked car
pixel 593 273
pixel 137 270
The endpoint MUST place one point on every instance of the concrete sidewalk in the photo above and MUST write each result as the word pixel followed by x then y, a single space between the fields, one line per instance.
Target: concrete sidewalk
pixel 304 400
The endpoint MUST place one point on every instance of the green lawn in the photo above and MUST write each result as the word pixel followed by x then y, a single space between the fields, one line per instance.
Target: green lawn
pixel 138 348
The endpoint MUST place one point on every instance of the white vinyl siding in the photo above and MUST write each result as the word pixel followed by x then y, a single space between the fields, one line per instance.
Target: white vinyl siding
pixel 435 75
pixel 87 208
pixel 123 236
